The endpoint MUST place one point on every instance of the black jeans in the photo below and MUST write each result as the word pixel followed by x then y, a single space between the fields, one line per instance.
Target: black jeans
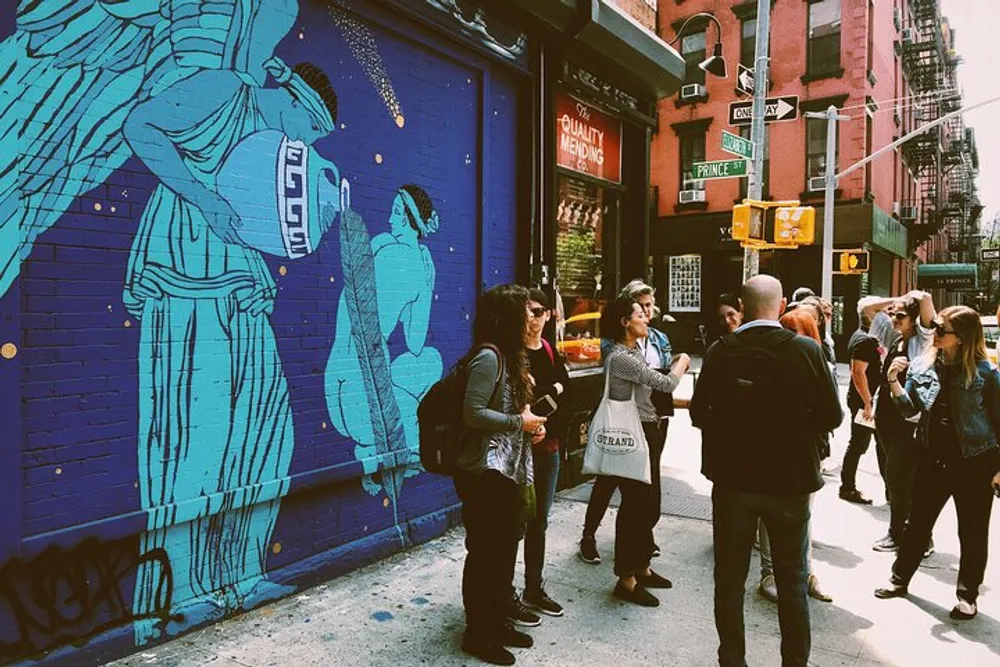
pixel 861 437
pixel 490 511
pixel 734 524
pixel 635 521
pixel 902 457
pixel 968 483
pixel 604 486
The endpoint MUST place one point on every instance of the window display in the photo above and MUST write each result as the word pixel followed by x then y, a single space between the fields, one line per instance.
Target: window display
pixel 685 284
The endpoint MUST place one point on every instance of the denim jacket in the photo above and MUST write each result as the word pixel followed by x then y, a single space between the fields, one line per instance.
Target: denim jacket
pixel 657 339
pixel 976 409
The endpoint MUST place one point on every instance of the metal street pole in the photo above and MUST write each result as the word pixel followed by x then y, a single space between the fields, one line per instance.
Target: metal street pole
pixel 830 184
pixel 751 256
pixel 831 178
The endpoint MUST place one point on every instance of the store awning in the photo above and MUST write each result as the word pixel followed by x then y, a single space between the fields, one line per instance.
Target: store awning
pixel 637 53
pixel 946 276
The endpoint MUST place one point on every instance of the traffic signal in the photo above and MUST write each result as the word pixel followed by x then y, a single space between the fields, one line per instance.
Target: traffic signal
pixel 748 223
pixel 794 225
pixel 849 262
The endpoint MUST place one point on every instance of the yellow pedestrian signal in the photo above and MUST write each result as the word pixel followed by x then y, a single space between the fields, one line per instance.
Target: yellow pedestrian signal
pixel 748 223
pixel 794 225
pixel 848 262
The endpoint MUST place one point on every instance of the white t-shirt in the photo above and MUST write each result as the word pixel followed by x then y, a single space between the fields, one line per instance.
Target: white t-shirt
pixel 649 353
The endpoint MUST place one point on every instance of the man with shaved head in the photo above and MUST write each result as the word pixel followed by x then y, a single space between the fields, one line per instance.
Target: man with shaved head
pixel 764 397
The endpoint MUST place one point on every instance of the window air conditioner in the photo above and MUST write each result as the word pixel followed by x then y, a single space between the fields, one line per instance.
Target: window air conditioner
pixel 692 196
pixel 817 184
pixel 895 208
pixel 908 213
pixel 692 91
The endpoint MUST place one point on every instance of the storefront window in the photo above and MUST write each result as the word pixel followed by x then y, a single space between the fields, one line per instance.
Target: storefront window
pixel 585 215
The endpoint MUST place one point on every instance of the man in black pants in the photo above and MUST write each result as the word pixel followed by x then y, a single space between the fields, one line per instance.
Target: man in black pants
pixel 763 398
pixel 866 353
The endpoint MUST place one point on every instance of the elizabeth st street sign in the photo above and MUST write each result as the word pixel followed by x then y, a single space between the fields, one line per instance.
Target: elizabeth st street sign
pixel 737 145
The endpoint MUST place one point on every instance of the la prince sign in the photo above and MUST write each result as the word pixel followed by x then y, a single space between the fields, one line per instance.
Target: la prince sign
pixel 587 140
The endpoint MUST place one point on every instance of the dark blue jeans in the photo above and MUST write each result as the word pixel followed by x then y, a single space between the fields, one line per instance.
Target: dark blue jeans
pixel 734 523
pixel 861 437
pixel 546 477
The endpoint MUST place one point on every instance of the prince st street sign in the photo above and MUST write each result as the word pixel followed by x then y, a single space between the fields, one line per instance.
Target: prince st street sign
pixel 720 169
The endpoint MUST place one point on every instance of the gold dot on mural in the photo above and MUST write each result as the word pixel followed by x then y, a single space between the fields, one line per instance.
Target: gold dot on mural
pixel 114 209
pixel 323 425
pixel 58 471
pixel 385 502
pixel 97 206
pixel 343 126
pixel 378 158
pixel 302 35
pixel 135 484
pixel 8 351
pixel 128 324
pixel 283 270
pixel 332 279
pixel 400 121
pixel 276 548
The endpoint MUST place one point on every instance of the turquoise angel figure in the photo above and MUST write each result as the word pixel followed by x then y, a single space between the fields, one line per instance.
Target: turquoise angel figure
pixel 84 84
pixel 398 294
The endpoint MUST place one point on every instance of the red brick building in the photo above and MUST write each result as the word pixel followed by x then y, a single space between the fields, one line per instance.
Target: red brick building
pixel 889 65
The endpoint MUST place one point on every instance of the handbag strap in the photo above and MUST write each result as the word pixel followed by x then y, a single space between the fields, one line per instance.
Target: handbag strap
pixel 607 377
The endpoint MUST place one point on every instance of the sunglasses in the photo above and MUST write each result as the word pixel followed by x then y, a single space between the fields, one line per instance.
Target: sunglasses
pixel 538 312
pixel 940 331
pixel 900 315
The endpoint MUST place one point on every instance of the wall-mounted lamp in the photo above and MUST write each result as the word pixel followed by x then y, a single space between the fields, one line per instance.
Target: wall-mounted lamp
pixel 715 64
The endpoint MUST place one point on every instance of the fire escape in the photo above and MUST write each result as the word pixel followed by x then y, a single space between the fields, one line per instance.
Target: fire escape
pixel 944 160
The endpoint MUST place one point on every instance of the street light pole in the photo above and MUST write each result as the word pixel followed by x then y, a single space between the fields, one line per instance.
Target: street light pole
pixel 751 256
pixel 831 178
pixel 830 185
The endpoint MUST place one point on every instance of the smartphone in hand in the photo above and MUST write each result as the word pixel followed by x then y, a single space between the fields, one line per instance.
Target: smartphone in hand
pixel 544 406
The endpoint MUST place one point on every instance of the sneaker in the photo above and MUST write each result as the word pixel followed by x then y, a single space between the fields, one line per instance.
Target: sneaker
pixel 540 601
pixel 854 496
pixel 518 614
pixel 887 543
pixel 653 580
pixel 964 611
pixel 816 592
pixel 769 588
pixel 637 595
pixel 588 551
pixel 929 550
pixel 893 590
pixel 490 652
pixel 508 636
pixel 656 550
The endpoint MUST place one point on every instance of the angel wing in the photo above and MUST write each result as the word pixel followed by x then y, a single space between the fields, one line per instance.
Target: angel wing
pixel 71 74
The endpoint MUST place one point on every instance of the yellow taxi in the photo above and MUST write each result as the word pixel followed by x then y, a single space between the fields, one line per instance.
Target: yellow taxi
pixel 991 331
pixel 581 344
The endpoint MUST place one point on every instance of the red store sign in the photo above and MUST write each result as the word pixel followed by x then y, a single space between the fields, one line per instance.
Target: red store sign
pixel 587 140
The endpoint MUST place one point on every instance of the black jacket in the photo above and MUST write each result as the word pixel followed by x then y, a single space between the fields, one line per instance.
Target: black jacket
pixel 783 458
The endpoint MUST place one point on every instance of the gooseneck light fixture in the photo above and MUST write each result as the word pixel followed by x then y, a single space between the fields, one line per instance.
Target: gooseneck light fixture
pixel 715 64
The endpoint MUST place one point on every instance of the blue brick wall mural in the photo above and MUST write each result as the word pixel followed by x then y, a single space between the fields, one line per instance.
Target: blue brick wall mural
pixel 239 240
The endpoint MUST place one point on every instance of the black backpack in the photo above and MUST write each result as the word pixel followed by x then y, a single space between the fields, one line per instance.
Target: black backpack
pixel 749 383
pixel 439 416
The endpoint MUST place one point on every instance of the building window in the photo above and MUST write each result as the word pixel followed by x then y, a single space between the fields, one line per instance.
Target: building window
pixel 824 37
pixel 745 182
pixel 587 220
pixel 816 149
pixel 869 123
pixel 748 43
pixel 871 36
pixel 692 150
pixel 693 50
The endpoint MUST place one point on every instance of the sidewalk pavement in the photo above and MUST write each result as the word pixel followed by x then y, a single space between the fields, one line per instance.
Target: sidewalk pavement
pixel 407 609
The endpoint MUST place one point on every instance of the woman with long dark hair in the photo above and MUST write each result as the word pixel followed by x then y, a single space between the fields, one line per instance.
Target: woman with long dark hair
pixel 956 392
pixel 494 466
pixel 629 376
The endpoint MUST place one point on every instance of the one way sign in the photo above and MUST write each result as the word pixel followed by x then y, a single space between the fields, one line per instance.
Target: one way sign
pixel 744 79
pixel 776 109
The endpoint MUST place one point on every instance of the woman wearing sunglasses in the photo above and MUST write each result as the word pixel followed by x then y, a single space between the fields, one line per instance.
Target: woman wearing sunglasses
pixel 956 393
pixel 912 316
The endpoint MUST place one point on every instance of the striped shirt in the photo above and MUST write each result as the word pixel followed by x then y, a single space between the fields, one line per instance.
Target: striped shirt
pixel 629 373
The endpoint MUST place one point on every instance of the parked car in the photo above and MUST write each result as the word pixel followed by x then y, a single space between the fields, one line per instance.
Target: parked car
pixel 991 331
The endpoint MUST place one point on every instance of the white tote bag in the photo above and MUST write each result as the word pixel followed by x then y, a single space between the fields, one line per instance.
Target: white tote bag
pixel 616 444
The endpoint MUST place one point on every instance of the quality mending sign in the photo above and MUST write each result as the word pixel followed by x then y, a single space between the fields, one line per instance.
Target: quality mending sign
pixel 587 140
